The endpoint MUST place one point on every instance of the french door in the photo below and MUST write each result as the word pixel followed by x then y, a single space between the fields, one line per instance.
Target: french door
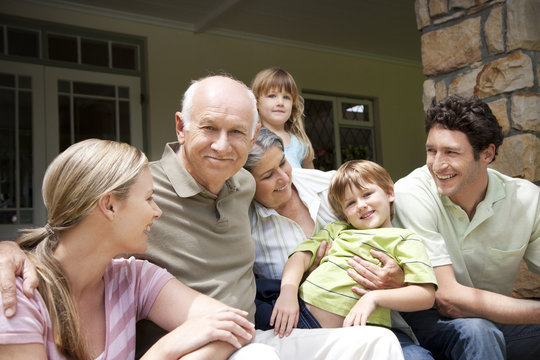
pixel 45 109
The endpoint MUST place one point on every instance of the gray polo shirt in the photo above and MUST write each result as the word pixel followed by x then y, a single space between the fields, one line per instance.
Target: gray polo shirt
pixel 204 239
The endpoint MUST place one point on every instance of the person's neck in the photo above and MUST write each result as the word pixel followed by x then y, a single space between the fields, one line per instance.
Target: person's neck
pixel 469 198
pixel 275 129
pixel 290 208
pixel 281 132
pixel 212 185
pixel 84 259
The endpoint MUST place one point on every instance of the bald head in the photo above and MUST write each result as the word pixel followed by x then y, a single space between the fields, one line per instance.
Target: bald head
pixel 219 89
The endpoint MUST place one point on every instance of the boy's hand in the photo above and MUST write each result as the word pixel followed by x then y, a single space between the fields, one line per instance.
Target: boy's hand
pixel 285 314
pixel 360 312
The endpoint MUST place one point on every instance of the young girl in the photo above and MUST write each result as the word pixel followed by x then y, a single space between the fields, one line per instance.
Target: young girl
pixel 362 193
pixel 281 109
pixel 99 202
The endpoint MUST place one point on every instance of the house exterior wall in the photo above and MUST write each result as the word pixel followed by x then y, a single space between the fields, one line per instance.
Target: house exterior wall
pixel 175 56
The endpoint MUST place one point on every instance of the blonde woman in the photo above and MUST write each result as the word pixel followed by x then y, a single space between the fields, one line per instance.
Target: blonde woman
pixel 98 195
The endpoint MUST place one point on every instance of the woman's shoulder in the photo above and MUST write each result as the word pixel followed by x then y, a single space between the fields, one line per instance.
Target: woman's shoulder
pixel 131 267
pixel 30 322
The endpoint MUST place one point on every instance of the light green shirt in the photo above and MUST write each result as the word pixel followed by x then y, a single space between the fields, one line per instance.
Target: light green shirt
pixel 485 252
pixel 329 286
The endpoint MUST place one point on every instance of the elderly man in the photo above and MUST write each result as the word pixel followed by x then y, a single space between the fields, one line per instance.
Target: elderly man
pixel 477 225
pixel 203 236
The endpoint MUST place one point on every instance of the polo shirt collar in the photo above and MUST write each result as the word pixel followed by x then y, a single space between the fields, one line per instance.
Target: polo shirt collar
pixel 495 192
pixel 262 211
pixel 184 184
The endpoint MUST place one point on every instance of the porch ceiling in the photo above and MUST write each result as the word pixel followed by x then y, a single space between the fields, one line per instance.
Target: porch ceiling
pixel 377 28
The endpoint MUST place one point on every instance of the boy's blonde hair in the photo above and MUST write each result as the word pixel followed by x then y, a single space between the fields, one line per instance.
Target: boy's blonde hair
pixel 72 186
pixel 358 173
pixel 277 78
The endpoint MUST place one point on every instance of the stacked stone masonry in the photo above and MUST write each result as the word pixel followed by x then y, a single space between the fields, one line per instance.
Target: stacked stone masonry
pixel 491 49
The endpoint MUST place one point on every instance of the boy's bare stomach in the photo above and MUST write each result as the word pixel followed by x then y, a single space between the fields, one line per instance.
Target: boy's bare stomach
pixel 326 318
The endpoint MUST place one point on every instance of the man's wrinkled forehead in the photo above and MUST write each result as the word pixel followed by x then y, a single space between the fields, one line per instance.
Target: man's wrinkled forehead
pixel 220 95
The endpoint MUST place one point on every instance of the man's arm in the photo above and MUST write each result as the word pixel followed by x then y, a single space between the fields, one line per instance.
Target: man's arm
pixel 14 262
pixel 373 277
pixel 457 301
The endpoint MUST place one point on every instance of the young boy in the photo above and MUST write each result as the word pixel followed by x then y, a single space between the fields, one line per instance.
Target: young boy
pixel 362 193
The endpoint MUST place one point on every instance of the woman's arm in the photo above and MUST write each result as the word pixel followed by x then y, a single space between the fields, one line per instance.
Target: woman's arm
pixel 414 297
pixel 22 352
pixel 198 323
pixel 285 313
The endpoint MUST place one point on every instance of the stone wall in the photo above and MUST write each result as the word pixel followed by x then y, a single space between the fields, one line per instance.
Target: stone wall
pixel 491 49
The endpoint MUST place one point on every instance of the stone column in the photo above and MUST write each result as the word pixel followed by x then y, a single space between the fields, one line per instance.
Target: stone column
pixel 491 49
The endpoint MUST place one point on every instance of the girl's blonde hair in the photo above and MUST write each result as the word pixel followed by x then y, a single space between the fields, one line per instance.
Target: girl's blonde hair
pixel 358 173
pixel 279 79
pixel 73 183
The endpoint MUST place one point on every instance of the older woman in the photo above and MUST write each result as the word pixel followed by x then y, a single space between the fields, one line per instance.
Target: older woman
pixel 289 206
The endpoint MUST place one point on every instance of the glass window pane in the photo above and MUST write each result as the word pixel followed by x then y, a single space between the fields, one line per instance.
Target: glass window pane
pixel 319 123
pixel 25 82
pixel 62 48
pixel 124 121
pixel 94 119
pixel 23 42
pixel 358 112
pixel 26 217
pixel 7 217
pixel 7 149
pixel 25 149
pixel 7 80
pixel 123 92
pixel 2 49
pixel 124 56
pixel 94 52
pixel 93 89
pixel 64 86
pixel 356 144
pixel 64 123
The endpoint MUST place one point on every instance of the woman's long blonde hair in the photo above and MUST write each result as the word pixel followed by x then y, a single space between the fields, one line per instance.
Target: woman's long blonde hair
pixel 279 79
pixel 72 185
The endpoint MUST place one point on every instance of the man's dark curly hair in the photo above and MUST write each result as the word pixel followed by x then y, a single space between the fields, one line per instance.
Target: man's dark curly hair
pixel 471 116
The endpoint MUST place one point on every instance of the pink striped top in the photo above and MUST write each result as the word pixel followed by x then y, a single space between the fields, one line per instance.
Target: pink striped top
pixel 131 287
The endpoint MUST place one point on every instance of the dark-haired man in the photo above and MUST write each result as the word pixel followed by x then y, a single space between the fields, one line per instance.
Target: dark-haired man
pixel 477 225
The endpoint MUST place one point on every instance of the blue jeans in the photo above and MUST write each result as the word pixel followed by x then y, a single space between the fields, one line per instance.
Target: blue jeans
pixel 473 338
pixel 411 351
pixel 267 294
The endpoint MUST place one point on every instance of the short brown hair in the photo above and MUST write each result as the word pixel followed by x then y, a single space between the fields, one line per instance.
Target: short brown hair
pixel 357 173
pixel 471 116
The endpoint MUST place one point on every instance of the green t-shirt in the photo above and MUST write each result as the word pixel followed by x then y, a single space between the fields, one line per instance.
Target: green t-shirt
pixel 329 286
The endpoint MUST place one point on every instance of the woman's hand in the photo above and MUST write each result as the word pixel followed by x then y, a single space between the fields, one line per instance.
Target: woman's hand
pixel 227 325
pixel 285 313
pixel 361 311
pixel 14 262
pixel 373 277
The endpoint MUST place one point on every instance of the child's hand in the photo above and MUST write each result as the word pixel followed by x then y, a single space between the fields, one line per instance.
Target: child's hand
pixel 361 311
pixel 285 314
